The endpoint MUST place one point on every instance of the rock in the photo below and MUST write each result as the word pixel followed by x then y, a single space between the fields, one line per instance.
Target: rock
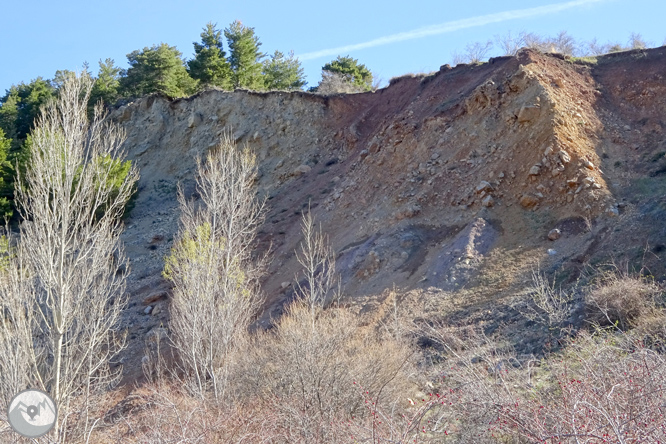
pixel 588 180
pixel 528 201
pixel 488 201
pixel 148 310
pixel 285 285
pixel 535 170
pixel 301 169
pixel 156 310
pixel 484 186
pixel 613 211
pixel 363 154
pixel 551 252
pixel 564 157
pixel 434 156
pixel 125 114
pixel 548 151
pixel 154 297
pixel 587 164
pixel 572 183
pixel 409 212
pixel 156 335
pixel 554 234
pixel 528 113
pixel 194 120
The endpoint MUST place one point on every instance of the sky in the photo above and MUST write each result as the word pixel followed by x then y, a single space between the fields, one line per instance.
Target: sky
pixel 391 38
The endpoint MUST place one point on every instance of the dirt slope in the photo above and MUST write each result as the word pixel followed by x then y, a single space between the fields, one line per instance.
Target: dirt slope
pixel 449 182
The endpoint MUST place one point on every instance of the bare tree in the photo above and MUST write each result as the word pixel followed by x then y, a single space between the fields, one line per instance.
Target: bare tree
pixel 509 44
pixel 474 53
pixel 69 245
pixel 636 41
pixel 318 261
pixel 216 290
pixel 595 48
pixel 336 83
pixel 17 353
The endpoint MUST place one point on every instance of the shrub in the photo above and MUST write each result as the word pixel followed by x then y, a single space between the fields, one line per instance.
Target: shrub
pixel 621 300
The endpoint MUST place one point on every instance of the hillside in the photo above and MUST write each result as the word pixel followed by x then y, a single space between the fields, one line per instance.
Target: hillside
pixel 444 184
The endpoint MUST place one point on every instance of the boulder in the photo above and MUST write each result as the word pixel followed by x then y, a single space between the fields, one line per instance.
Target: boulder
pixel 554 234
pixel 528 113
pixel 484 186
pixel 194 120
pixel 528 201
pixel 301 169
pixel 564 157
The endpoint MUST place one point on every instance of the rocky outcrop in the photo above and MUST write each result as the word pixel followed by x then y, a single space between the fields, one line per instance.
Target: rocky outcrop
pixel 489 156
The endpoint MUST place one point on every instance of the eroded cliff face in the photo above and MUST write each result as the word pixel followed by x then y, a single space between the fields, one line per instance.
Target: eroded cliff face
pixel 449 182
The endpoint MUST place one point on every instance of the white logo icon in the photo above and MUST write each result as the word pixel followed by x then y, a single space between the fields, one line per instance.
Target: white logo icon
pixel 32 413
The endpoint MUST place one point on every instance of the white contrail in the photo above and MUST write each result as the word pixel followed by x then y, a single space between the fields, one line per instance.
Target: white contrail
pixel 451 26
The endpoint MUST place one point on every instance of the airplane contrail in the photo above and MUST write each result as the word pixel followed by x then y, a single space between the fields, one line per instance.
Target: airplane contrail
pixel 451 26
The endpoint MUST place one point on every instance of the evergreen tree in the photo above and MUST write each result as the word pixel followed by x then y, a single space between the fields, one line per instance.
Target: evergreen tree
pixel 351 71
pixel 245 58
pixel 158 69
pixel 209 65
pixel 106 85
pixel 21 105
pixel 6 175
pixel 285 73
pixel 19 108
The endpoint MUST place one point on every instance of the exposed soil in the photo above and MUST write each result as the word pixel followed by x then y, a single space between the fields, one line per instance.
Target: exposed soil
pixel 446 183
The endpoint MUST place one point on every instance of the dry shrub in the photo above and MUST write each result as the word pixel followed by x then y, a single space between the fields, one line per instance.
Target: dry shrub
pixel 310 371
pixel 335 83
pixel 165 412
pixel 603 388
pixel 622 300
pixel 606 387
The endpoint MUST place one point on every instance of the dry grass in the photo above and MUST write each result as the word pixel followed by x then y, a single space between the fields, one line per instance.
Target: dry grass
pixel 622 300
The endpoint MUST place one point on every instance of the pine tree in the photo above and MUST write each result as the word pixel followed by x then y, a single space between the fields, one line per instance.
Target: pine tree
pixel 351 71
pixel 245 58
pixel 209 66
pixel 20 107
pixel 285 73
pixel 6 175
pixel 106 85
pixel 159 69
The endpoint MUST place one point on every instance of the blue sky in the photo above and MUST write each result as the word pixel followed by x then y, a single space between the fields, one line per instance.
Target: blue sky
pixel 408 36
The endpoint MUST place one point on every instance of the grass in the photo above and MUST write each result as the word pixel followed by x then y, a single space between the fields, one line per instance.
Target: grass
pixel 586 61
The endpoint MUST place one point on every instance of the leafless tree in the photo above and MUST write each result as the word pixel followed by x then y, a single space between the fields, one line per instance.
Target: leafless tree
pixel 17 353
pixel 474 53
pixel 215 275
pixel 336 83
pixel 318 261
pixel 510 44
pixel 594 48
pixel 70 251
pixel 562 43
pixel 636 41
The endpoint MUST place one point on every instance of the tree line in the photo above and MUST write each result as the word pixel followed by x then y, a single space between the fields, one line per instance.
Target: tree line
pixel 162 69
